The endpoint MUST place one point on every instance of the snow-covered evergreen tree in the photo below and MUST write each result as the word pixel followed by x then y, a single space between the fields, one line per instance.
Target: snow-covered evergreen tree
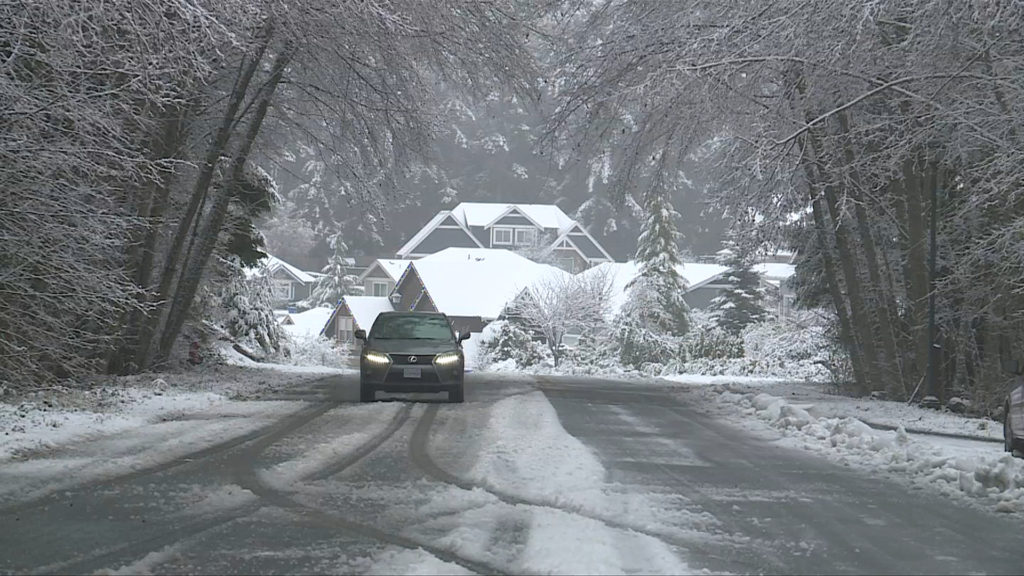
pixel 742 303
pixel 336 280
pixel 249 312
pixel 657 255
pixel 655 314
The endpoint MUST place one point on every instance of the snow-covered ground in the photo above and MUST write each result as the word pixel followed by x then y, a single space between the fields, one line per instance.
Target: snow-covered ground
pixel 954 454
pixel 120 420
pixel 526 471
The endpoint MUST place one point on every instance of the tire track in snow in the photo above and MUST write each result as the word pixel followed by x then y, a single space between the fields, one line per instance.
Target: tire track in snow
pixel 284 425
pixel 248 477
pixel 419 453
pixel 268 435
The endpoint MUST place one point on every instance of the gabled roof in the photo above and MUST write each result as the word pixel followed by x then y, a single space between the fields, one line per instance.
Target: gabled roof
pixel 391 266
pixel 585 244
pixel 477 281
pixel 274 264
pixel 435 222
pixel 365 309
pixel 484 214
pixel 622 273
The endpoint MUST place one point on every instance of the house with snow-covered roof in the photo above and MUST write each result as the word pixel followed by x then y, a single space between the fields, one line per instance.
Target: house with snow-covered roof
pixel 288 283
pixel 380 277
pixel 354 313
pixel 541 230
pixel 775 278
pixel 703 281
pixel 471 285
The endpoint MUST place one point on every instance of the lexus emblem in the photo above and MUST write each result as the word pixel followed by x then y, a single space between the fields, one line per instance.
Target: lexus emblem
pixel 413 359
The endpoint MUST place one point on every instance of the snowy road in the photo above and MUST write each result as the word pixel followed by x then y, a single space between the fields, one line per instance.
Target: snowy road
pixel 555 476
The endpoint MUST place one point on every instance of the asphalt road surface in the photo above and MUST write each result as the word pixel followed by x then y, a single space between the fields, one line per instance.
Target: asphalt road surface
pixel 751 506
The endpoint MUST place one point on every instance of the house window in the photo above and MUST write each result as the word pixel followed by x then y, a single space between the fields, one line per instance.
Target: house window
pixel 379 288
pixel 345 328
pixel 283 289
pixel 501 236
pixel 567 264
pixel 525 236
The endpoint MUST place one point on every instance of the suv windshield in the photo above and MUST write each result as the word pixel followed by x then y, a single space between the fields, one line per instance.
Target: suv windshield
pixel 411 327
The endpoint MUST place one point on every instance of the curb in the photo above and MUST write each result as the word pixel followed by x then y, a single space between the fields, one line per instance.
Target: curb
pixel 878 426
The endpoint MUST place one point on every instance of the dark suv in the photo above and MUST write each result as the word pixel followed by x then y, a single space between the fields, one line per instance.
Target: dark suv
pixel 411 352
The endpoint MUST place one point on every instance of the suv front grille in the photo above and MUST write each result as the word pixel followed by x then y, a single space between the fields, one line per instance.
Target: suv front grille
pixel 421 359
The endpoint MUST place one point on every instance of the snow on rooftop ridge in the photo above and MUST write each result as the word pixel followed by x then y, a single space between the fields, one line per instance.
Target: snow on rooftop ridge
pixel 365 309
pixel 484 213
pixel 394 267
pixel 273 263
pixel 478 281
pixel 774 270
pixel 309 323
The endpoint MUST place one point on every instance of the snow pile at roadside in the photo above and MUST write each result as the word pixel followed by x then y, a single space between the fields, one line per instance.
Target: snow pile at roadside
pixel 998 479
pixel 232 358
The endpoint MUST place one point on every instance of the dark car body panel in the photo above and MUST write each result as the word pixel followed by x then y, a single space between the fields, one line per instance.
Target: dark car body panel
pixel 1015 413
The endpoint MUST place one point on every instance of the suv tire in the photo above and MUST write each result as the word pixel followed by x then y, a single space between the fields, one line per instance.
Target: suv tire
pixel 457 395
pixel 367 393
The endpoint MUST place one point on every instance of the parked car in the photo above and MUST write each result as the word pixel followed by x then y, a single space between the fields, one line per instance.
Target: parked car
pixel 411 352
pixel 1013 422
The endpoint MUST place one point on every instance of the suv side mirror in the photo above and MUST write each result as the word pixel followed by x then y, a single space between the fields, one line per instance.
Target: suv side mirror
pixel 464 336
pixel 360 334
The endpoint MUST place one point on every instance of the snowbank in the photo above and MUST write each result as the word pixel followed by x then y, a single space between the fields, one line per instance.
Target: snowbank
pixel 987 476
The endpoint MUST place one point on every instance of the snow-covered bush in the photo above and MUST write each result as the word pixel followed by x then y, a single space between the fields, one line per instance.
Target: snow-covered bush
pixel 317 351
pixel 706 339
pixel 503 341
pixel 638 345
pixel 593 354
pixel 798 348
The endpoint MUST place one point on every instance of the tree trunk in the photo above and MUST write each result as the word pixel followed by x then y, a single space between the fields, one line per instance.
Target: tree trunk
pixel 915 270
pixel 189 222
pixel 809 162
pixel 207 239
pixel 167 146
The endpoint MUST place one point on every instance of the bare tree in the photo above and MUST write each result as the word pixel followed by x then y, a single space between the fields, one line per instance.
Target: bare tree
pixel 560 304
pixel 855 115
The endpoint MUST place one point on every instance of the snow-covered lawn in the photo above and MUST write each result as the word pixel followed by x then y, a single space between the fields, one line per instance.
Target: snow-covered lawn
pixel 838 427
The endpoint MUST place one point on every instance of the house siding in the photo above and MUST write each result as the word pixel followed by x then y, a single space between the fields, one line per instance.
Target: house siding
pixel 409 289
pixel 701 297
pixel 332 330
pixel 465 324
pixel 589 249
pixel 514 219
pixel 579 264
pixel 442 238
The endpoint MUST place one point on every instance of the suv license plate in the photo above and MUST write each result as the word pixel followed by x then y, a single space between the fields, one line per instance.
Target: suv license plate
pixel 412 372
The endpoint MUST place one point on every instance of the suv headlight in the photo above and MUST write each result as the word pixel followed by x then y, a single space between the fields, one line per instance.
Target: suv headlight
pixel 447 359
pixel 377 358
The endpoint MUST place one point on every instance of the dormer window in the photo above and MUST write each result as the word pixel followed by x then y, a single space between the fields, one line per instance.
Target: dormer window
pixel 501 236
